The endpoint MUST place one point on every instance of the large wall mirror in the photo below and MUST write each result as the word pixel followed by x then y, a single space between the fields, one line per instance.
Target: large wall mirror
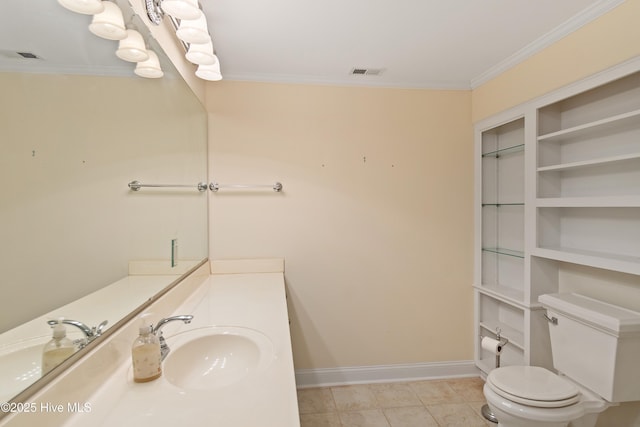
pixel 76 126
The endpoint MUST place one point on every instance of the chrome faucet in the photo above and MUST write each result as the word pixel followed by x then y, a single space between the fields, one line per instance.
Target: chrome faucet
pixel 157 331
pixel 91 333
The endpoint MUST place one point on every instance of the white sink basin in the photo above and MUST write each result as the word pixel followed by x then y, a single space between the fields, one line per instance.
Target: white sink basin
pixel 217 356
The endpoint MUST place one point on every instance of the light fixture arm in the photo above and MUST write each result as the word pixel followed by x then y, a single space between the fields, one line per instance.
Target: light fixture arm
pixel 154 11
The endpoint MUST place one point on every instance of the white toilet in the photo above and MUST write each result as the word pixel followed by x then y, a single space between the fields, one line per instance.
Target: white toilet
pixel 596 350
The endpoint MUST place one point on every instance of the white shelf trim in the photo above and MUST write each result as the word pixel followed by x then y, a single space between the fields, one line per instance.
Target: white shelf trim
pixel 589 202
pixel 587 163
pixel 607 261
pixel 511 296
pixel 588 127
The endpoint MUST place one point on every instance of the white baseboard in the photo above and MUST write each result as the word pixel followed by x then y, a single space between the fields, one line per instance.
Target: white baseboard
pixel 306 378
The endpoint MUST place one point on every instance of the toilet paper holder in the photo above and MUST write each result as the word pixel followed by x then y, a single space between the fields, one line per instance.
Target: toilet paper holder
pixel 501 343
pixel 485 410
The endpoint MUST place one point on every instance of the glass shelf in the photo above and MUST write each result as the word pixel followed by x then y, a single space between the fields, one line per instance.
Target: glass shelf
pixel 504 251
pixel 508 150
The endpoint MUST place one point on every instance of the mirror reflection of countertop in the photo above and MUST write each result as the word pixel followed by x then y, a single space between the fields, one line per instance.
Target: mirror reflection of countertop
pixel 21 347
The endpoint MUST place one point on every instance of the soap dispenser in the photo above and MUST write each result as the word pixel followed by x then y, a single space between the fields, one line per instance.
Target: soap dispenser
pixel 58 349
pixel 145 355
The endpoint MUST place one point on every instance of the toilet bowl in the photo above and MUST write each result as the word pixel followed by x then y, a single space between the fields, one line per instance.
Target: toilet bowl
pixel 523 396
pixel 528 396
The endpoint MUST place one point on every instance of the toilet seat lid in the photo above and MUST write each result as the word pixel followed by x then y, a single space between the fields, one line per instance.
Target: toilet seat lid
pixel 533 386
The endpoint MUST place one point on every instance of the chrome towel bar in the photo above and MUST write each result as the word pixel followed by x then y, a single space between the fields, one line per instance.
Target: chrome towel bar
pixel 136 186
pixel 214 186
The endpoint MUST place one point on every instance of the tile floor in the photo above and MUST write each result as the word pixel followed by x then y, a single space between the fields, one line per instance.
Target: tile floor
pixel 433 403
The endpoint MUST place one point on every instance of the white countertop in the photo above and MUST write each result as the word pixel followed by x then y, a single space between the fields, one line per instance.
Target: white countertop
pixel 264 399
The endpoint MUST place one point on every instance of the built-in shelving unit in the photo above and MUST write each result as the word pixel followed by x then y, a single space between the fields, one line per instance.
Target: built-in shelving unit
pixel 558 185
pixel 500 286
pixel 588 197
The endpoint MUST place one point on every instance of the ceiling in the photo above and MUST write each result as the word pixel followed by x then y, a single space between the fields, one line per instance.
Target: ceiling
pixel 61 42
pixel 416 43
pixel 455 44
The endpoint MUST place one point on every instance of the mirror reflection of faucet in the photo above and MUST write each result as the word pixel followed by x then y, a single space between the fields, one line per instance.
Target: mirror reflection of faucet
pixel 59 348
pixel 91 333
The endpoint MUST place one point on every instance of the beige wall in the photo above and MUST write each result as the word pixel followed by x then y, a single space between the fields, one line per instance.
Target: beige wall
pixel 606 41
pixel 375 221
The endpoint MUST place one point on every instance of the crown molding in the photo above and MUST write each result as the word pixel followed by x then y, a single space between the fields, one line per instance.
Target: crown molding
pixel 572 24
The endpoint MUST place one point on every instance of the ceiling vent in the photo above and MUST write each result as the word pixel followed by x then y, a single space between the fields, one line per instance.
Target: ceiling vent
pixel 366 71
pixel 28 55
pixel 17 55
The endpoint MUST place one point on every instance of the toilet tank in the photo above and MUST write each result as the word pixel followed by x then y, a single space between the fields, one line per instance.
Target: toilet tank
pixel 595 344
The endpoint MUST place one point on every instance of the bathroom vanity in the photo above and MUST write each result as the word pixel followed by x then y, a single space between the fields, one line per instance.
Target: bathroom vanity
pixel 240 320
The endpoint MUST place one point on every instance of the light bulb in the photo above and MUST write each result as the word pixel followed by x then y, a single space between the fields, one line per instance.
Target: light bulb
pixel 109 24
pixel 209 72
pixel 201 54
pixel 193 30
pixel 182 9
pixel 149 68
pixel 87 7
pixel 132 48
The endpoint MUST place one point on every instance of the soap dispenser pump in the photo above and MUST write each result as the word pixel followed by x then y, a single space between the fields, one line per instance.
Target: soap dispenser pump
pixel 57 349
pixel 145 355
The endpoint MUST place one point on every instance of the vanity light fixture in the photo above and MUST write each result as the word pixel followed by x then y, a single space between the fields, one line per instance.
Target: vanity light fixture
pixel 132 48
pixel 182 9
pixel 109 24
pixel 150 68
pixel 201 54
pixel 191 30
pixel 86 7
pixel 178 9
pixel 209 72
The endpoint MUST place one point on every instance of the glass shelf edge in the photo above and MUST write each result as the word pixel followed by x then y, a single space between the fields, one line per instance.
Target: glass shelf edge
pixel 506 252
pixel 496 153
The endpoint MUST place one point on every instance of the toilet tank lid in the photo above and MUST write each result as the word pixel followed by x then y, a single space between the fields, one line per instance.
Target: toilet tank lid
pixel 613 318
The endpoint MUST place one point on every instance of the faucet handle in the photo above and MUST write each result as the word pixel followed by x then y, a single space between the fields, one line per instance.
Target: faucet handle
pixel 100 328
